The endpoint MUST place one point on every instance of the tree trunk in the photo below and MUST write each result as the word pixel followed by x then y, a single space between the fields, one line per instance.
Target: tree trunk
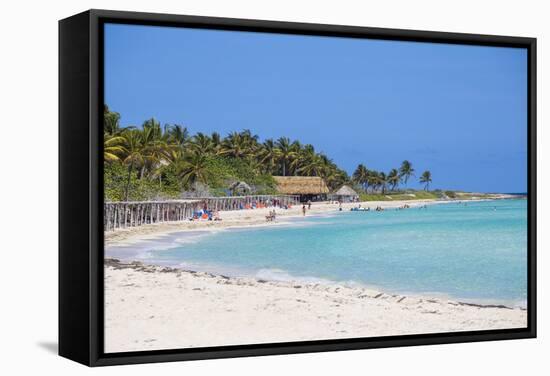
pixel 142 172
pixel 130 167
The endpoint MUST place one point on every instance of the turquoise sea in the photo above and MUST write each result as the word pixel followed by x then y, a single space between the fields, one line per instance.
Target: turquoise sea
pixel 472 252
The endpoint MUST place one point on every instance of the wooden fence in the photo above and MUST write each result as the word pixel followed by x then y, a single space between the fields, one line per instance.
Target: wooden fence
pixel 117 215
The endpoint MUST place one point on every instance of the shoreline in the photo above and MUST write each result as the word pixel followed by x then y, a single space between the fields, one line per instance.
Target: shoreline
pixel 260 310
pixel 150 267
pixel 256 217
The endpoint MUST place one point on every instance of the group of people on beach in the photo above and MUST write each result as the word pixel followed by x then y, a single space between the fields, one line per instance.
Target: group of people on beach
pixel 205 214
pixel 208 215
pixel 276 203
pixel 270 203
pixel 263 204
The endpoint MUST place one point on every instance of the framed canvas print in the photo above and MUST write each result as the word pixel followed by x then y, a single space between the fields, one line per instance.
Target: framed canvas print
pixel 241 187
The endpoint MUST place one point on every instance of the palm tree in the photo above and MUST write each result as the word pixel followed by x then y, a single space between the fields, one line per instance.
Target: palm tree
pixel 268 155
pixel 216 141
pixel 319 165
pixel 406 171
pixel 158 157
pixel 177 134
pixel 286 152
pixel 201 144
pixel 194 168
pixel 112 148
pixel 295 158
pixel 152 129
pixel 134 156
pixel 235 145
pixel 249 143
pixel 313 166
pixel 250 139
pixel 361 176
pixel 382 181
pixel 155 147
pixel 373 180
pixel 327 167
pixel 302 155
pixel 111 122
pixel 393 178
pixel 336 178
pixel 426 179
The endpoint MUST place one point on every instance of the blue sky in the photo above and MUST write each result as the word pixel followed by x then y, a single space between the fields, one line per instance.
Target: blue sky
pixel 458 111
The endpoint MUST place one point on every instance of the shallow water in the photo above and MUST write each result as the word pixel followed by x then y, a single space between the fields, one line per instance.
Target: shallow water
pixel 474 252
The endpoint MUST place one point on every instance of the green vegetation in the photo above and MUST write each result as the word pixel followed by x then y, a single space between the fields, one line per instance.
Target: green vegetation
pixel 162 162
pixel 379 182
pixel 395 196
pixel 426 179
pixel 166 162
pixel 423 195
pixel 450 194
pixel 470 195
pixel 406 171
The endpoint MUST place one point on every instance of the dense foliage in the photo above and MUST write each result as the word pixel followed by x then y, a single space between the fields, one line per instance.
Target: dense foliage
pixel 156 162
pixel 163 162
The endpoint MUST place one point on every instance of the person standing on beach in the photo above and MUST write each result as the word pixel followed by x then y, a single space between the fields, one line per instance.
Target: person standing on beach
pixel 308 204
pixel 304 210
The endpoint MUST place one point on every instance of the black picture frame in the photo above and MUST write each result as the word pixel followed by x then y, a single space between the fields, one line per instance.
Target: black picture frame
pixel 81 187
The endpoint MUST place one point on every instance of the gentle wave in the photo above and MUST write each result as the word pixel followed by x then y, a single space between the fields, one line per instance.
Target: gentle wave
pixel 279 275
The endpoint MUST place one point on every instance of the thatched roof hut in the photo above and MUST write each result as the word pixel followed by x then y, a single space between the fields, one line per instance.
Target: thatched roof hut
pixel 346 190
pixel 301 185
pixel 345 194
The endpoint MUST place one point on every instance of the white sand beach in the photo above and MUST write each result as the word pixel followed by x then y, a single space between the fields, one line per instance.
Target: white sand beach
pixel 151 307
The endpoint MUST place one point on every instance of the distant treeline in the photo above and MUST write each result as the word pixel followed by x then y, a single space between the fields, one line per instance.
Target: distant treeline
pixel 379 181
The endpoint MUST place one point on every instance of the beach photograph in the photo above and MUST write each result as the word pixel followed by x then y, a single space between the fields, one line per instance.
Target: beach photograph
pixel 267 188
